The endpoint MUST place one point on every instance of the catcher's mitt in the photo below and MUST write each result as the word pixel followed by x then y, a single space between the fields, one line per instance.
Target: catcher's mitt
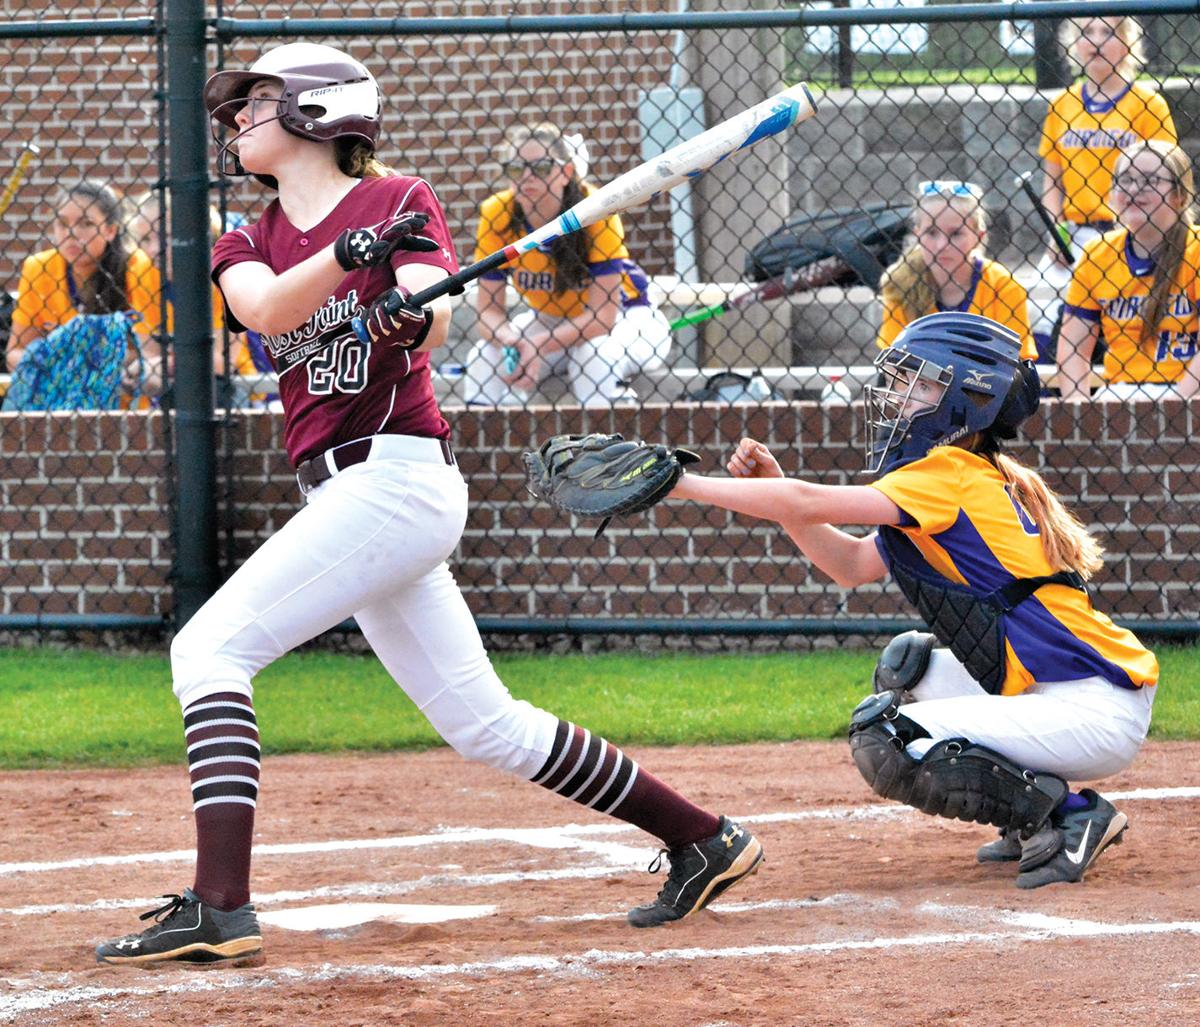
pixel 603 475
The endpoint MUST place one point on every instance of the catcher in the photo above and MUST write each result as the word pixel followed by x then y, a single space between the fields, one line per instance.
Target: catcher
pixel 1020 685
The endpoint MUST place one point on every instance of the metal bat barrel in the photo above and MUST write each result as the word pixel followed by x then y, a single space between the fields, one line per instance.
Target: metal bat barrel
pixel 679 164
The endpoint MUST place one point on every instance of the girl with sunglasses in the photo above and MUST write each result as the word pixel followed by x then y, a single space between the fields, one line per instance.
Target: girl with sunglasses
pixel 1085 128
pixel 1138 284
pixel 943 268
pixel 589 315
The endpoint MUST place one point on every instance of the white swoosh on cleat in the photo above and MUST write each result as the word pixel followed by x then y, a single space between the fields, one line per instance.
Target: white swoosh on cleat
pixel 1076 857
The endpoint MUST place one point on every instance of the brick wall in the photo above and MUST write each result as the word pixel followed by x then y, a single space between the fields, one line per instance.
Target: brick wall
pixel 91 105
pixel 85 524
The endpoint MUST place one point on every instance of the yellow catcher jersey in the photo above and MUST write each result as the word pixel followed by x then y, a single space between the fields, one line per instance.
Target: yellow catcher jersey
pixel 45 296
pixel 533 272
pixel 1110 286
pixel 1082 135
pixel 994 293
pixel 962 517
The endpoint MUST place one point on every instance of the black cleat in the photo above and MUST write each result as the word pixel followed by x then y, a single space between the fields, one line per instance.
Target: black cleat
pixel 189 932
pixel 1005 849
pixel 699 873
pixel 1070 842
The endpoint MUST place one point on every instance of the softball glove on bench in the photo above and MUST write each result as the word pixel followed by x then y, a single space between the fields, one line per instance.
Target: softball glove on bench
pixel 603 476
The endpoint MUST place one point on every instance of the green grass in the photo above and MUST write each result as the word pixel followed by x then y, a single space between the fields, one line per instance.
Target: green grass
pixel 96 709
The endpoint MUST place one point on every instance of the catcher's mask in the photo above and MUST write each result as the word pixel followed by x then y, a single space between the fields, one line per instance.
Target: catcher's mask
pixel 325 95
pixel 945 377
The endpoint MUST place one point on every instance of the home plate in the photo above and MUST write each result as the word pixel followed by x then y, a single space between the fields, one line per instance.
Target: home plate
pixel 350 914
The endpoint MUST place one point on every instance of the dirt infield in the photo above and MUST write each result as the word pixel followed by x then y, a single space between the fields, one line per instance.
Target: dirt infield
pixel 864 913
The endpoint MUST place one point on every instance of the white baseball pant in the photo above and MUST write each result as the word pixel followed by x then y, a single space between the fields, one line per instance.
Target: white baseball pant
pixel 1080 730
pixel 596 370
pixel 372 543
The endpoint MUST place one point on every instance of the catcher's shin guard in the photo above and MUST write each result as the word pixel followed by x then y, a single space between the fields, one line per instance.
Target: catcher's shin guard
pixel 956 778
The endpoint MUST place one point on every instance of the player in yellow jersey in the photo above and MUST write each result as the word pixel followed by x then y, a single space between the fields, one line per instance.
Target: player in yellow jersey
pixel 1139 284
pixel 1084 130
pixel 589 316
pixel 90 269
pixel 943 267
pixel 1034 686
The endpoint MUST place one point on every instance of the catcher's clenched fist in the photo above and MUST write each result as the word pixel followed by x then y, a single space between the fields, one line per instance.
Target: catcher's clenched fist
pixel 603 476
pixel 752 459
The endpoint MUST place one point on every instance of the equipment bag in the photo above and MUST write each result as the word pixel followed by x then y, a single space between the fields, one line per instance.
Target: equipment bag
pixel 866 239
pixel 77 366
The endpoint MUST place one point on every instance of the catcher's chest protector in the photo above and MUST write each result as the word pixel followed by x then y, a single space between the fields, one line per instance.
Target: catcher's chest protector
pixel 972 627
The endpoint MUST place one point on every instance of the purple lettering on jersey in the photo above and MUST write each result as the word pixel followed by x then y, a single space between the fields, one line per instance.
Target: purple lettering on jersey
pixel 333 387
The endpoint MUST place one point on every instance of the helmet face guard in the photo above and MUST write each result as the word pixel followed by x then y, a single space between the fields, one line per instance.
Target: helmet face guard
pixel 891 406
pixel 982 386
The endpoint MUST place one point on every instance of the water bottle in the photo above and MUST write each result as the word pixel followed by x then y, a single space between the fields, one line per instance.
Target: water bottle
pixel 836 392
pixel 452 375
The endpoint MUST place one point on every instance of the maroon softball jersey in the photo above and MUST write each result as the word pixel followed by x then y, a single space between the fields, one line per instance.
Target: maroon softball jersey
pixel 334 387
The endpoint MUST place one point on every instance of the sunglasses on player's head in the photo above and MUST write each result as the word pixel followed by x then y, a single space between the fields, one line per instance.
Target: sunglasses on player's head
pixel 543 167
pixel 949 187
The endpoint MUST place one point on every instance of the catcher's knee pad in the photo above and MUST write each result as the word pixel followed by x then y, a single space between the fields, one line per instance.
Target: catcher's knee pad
pixel 904 661
pixel 956 778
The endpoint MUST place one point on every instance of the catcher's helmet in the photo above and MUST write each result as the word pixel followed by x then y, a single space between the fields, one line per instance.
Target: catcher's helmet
pixel 984 387
pixel 325 95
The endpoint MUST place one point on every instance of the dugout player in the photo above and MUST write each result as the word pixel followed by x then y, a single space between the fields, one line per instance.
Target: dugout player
pixel 589 316
pixel 1139 284
pixel 1085 128
pixel 943 267
pixel 1034 686
pixel 385 507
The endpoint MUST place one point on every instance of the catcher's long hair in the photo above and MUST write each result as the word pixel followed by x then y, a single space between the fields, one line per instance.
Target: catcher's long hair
pixel 1067 543
pixel 570 252
pixel 908 281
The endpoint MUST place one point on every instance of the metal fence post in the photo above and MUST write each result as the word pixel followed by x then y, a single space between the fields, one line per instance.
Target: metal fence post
pixel 1052 70
pixel 196 558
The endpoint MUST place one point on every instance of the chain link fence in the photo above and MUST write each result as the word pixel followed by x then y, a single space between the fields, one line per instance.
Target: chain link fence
pixel 752 300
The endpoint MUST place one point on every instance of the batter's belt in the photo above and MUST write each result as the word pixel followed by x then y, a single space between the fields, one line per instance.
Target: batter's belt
pixel 311 473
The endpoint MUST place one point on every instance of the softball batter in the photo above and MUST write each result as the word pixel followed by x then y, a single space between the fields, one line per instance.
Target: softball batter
pixel 385 507
pixel 1034 685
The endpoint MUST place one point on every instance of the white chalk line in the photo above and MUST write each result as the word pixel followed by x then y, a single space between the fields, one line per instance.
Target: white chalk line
pixel 566 836
pixel 371 889
pixel 1030 927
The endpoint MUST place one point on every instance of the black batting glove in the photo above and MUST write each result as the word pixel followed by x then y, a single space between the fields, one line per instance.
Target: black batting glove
pixel 392 321
pixel 369 247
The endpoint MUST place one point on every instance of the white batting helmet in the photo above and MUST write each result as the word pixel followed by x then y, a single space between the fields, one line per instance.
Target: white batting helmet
pixel 325 94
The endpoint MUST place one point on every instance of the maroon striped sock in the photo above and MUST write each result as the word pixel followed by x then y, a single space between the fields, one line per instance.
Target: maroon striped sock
pixel 223 760
pixel 593 772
